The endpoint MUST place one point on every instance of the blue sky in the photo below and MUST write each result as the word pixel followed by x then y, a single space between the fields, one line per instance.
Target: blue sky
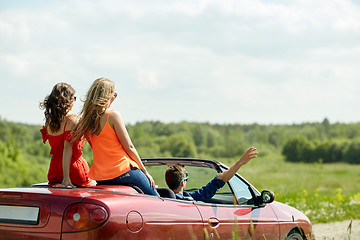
pixel 243 61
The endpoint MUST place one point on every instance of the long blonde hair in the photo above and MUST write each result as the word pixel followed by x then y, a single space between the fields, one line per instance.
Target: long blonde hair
pixel 97 101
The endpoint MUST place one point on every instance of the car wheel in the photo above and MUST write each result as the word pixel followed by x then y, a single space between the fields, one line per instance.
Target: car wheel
pixel 294 235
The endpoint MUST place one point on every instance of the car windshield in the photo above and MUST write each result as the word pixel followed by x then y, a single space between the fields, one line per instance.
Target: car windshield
pixel 198 177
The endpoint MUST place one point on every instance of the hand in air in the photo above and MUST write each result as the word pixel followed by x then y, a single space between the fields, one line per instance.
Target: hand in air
pixel 248 155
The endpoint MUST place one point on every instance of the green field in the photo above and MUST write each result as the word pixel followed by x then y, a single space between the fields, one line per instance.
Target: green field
pixel 324 192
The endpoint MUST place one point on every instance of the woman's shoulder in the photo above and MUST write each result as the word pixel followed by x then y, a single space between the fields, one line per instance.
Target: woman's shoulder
pixel 71 121
pixel 114 117
pixel 44 134
pixel 73 118
pixel 113 114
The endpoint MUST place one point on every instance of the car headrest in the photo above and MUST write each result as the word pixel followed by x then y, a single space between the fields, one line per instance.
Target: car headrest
pixel 165 192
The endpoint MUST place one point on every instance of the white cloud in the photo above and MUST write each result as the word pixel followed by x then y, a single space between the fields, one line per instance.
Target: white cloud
pixel 147 79
pixel 203 57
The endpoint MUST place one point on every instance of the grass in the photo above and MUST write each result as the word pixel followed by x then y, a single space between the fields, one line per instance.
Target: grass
pixel 324 192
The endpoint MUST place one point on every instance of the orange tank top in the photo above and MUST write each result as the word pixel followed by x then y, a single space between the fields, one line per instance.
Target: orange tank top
pixel 110 160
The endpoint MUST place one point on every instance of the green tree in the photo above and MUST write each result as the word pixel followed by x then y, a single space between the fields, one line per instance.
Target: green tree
pixel 294 147
pixel 179 145
pixel 352 153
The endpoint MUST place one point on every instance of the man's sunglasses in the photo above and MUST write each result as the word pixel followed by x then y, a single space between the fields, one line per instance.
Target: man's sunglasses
pixel 185 178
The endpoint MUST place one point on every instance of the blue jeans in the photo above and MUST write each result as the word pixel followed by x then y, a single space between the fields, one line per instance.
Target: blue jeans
pixel 134 177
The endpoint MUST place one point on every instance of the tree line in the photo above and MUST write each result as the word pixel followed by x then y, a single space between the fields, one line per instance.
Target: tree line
pixel 24 158
pixel 300 149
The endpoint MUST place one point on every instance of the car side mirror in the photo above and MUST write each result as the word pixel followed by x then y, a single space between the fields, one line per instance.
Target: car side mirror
pixel 267 197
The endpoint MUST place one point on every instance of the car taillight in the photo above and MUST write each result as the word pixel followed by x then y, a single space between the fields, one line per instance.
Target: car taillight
pixel 44 213
pixel 83 217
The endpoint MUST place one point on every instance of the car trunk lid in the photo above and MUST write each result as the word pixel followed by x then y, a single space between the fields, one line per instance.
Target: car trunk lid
pixel 25 212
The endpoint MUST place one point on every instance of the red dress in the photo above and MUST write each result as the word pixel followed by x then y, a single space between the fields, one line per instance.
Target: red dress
pixel 79 168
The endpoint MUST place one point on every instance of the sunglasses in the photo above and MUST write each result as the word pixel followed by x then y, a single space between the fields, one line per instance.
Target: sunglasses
pixel 185 178
pixel 115 95
pixel 74 98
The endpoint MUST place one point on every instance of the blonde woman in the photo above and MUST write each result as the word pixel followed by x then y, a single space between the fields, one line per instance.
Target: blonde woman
pixel 115 159
pixel 66 154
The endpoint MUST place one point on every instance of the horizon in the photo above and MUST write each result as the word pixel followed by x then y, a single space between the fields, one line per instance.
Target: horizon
pixel 210 123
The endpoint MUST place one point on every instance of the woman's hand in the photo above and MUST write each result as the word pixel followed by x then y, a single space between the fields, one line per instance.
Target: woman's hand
pixel 152 182
pixel 66 183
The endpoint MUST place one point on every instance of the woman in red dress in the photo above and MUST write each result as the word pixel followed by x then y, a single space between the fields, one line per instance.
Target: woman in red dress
pixel 66 154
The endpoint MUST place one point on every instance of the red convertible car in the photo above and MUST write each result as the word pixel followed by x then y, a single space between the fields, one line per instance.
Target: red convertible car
pixel 237 211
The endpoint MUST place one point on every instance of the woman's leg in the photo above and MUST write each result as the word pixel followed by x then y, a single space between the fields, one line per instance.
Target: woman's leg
pixel 134 177
pixel 140 180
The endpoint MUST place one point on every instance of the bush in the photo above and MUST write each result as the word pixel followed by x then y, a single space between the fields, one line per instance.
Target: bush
pixel 299 149
pixel 352 153
pixel 294 148
pixel 179 145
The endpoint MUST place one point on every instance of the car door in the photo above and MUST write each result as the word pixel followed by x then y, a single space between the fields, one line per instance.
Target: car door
pixel 171 219
pixel 233 214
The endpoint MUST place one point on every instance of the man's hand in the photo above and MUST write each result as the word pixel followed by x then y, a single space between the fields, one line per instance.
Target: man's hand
pixel 248 155
pixel 228 174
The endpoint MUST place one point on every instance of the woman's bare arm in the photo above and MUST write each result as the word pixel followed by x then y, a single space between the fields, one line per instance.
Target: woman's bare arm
pixel 67 154
pixel 117 123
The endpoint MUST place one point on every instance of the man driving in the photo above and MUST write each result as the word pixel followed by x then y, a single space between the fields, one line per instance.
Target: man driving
pixel 176 178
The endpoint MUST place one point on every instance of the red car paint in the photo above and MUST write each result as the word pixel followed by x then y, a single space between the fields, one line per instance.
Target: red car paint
pixel 120 212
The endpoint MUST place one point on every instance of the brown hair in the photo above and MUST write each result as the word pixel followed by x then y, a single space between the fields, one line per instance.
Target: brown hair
pixel 97 101
pixel 57 105
pixel 174 175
